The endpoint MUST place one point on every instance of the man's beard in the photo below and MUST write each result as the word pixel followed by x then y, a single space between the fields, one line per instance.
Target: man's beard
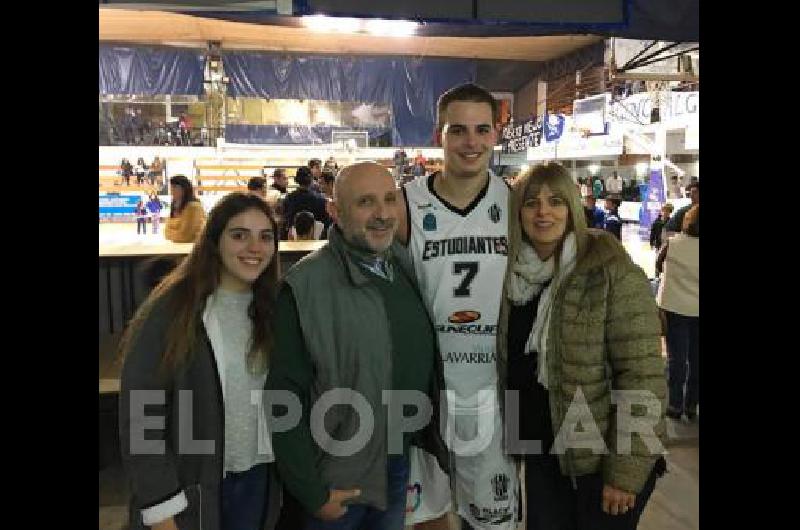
pixel 359 240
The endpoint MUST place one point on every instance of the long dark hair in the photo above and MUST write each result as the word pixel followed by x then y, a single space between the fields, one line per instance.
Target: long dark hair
pixel 188 194
pixel 197 277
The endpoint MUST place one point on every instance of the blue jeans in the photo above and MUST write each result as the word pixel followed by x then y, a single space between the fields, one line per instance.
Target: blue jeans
pixel 244 499
pixel 683 350
pixel 363 517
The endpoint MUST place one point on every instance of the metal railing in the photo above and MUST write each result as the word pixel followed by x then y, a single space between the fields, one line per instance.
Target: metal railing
pixel 169 135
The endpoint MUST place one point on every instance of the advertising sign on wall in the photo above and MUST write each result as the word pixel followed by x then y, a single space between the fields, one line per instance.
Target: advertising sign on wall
pixel 115 205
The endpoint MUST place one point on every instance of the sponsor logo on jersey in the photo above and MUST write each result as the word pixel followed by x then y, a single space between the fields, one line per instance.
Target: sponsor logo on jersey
pixel 468 357
pixel 500 487
pixel 467 329
pixel 423 206
pixel 429 222
pixel 463 245
pixel 464 317
pixel 495 515
pixel 494 213
pixel 415 499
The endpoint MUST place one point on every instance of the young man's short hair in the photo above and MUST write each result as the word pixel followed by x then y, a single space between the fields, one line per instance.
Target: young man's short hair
pixel 465 92
pixel 303 176
pixel 315 162
pixel 328 176
pixel 256 183
pixel 304 223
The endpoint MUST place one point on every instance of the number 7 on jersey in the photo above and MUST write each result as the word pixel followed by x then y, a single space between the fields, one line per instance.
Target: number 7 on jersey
pixel 471 267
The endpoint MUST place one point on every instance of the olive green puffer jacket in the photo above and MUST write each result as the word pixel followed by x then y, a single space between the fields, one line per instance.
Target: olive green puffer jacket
pixel 604 334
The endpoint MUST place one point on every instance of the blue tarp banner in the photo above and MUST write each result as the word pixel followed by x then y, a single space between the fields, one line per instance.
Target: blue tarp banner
pixel 148 71
pixel 409 86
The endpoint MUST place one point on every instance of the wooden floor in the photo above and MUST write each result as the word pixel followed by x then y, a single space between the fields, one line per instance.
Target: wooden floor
pixel 674 505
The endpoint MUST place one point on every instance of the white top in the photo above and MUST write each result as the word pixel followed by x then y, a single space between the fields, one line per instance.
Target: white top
pixel 679 290
pixel 241 414
pixel 614 185
pixel 459 258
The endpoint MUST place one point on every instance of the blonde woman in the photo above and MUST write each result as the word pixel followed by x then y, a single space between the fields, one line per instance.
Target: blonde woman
pixel 578 322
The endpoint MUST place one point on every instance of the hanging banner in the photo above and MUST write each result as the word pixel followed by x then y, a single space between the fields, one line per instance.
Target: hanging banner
pixel 519 137
pixel 677 109
pixel 652 198
pixel 553 127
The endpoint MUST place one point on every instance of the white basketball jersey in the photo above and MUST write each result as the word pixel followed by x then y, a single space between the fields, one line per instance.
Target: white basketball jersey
pixel 459 258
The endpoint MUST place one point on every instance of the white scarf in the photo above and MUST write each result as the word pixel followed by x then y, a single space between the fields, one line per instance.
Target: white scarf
pixel 529 275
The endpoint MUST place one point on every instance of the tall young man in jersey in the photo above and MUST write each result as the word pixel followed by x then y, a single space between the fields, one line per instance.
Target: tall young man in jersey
pixel 455 226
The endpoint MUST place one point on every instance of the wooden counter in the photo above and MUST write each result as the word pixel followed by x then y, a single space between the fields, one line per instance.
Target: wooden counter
pixel 124 284
pixel 168 248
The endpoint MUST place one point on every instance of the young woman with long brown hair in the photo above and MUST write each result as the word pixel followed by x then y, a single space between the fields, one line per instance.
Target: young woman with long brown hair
pixel 191 430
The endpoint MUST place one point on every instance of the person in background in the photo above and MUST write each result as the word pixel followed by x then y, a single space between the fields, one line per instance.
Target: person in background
pixel 578 315
pixel 156 172
pixel 612 222
pixel 315 165
pixel 186 214
pixel 141 171
pixel 597 187
pixel 657 228
pixel 326 180
pixel 257 186
pixel 154 207
pixel 204 332
pixel 185 128
pixel 419 165
pixel 280 181
pixel 400 159
pixel 674 188
pixel 303 199
pixel 586 190
pixel 126 170
pixel 675 223
pixel 595 216
pixel 305 228
pixel 331 165
pixel 141 217
pixel 678 296
pixel 614 184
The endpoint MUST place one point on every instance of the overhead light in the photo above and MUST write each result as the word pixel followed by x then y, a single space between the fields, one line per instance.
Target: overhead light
pixel 325 24
pixel 391 28
pixel 380 27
